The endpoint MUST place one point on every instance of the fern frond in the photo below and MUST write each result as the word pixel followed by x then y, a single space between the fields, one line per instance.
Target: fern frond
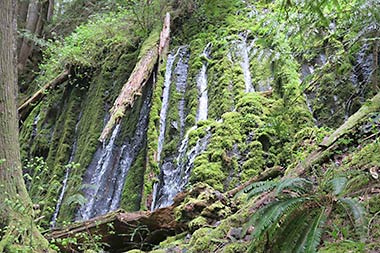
pixel 77 199
pixel 338 185
pixel 273 214
pixel 313 235
pixel 291 229
pixel 299 185
pixel 259 187
pixel 258 215
pixel 358 212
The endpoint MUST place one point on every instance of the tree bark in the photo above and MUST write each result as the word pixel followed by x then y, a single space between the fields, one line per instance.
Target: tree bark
pixel 30 26
pixel 17 231
pixel 153 46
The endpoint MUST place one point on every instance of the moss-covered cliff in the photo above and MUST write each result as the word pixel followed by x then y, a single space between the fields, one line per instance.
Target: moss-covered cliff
pixel 280 78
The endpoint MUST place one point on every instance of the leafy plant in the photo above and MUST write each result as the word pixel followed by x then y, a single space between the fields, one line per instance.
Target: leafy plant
pixel 295 217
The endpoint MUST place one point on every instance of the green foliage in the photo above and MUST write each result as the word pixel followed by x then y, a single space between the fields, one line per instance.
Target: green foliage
pixel 85 47
pixel 84 242
pixel 295 202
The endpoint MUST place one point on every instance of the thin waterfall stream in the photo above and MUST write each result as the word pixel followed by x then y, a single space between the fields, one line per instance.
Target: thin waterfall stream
pixel 243 52
pixel 165 101
pixel 67 174
pixel 179 76
pixel 106 174
pixel 176 174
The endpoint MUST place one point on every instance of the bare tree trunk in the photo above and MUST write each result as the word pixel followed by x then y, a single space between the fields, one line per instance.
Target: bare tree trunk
pixel 50 12
pixel 140 75
pixel 18 233
pixel 31 25
pixel 22 13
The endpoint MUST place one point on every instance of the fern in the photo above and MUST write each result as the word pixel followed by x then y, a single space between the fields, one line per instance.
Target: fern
pixel 295 222
pixel 259 187
pixel 313 236
pixel 338 185
pixel 357 211
pixel 292 228
pixel 274 213
pixel 76 199
pixel 299 185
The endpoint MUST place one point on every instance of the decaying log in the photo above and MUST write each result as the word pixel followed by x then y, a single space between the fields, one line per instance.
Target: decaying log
pixel 164 36
pixel 328 143
pixel 120 230
pixel 31 102
pixel 267 174
pixel 140 75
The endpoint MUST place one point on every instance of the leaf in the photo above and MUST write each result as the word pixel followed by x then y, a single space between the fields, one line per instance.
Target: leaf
pixel 76 199
pixel 314 234
pixel 358 212
pixel 273 214
pixel 259 187
pixel 338 185
pixel 296 184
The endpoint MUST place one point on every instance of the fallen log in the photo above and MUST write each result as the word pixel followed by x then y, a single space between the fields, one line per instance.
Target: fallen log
pixel 153 47
pixel 267 174
pixel 329 142
pixel 26 107
pixel 118 231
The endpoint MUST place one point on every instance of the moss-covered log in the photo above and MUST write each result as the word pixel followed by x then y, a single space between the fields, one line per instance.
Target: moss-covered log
pixel 26 107
pixel 328 143
pixel 149 55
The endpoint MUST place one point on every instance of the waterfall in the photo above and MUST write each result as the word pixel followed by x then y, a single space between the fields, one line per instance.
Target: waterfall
pixel 202 86
pixel 103 159
pixel 243 52
pixel 67 174
pixel 109 168
pixel 175 174
pixel 360 77
pixel 165 101
pixel 35 123
pixel 180 73
pixel 130 151
pixel 176 177
pixel 180 78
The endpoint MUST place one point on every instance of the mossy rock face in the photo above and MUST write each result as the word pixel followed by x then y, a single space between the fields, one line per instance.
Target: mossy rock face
pixel 203 201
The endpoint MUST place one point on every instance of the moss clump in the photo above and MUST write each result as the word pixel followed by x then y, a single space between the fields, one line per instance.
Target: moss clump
pixel 197 223
pixel 201 241
pixel 133 186
pixel 345 246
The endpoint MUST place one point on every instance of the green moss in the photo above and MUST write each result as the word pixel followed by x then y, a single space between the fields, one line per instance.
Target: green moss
pixel 345 246
pixel 201 241
pixel 237 247
pixel 197 223
pixel 173 240
pixel 133 187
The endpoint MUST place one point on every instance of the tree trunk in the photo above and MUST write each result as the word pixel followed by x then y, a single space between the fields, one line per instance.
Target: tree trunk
pixel 50 12
pixel 329 142
pixel 30 26
pixel 17 231
pixel 153 46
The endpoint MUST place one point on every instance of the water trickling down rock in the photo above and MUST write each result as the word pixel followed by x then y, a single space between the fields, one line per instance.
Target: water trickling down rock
pixel 175 174
pixel 106 175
